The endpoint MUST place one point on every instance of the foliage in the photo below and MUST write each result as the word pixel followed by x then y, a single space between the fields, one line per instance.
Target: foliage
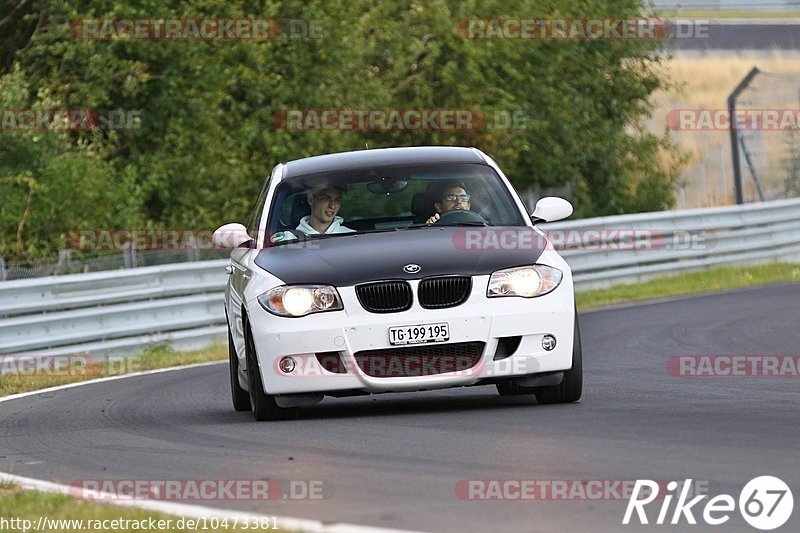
pixel 208 135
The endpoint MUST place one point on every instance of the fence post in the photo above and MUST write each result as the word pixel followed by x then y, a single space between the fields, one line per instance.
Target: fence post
pixel 63 260
pixel 752 167
pixel 2 269
pixel 703 180
pixel 192 249
pixel 129 254
pixel 737 169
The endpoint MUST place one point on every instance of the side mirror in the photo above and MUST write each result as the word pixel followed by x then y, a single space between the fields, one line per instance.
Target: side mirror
pixel 231 236
pixel 550 209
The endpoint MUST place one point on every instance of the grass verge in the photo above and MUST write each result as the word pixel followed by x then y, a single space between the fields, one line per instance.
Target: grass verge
pixel 690 283
pixel 23 510
pixel 16 377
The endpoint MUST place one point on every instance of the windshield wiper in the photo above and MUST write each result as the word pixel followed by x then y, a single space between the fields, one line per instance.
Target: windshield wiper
pixel 422 225
pixel 468 223
pixel 377 231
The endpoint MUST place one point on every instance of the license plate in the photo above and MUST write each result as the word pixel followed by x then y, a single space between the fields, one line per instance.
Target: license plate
pixel 419 334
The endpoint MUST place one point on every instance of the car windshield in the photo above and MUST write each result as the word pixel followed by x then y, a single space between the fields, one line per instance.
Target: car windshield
pixel 390 199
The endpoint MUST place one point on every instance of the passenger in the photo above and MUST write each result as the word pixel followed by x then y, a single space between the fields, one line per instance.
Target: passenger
pixel 325 201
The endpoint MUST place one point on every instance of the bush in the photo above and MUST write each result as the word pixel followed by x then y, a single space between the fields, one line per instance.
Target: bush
pixel 208 137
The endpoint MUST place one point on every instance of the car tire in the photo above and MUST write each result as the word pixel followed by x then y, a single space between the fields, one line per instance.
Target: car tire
pixel 262 405
pixel 240 397
pixel 571 386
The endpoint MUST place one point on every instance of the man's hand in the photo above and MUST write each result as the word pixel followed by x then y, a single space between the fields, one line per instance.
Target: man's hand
pixel 433 219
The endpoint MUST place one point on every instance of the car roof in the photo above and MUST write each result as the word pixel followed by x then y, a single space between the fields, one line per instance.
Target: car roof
pixel 381 157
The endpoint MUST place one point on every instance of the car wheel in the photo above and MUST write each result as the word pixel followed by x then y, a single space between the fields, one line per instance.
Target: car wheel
pixel 241 398
pixel 571 387
pixel 263 405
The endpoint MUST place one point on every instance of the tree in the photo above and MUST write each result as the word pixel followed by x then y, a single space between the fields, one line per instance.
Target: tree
pixel 209 137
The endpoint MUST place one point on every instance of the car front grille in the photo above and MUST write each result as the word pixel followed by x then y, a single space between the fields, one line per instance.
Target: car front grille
pixel 420 360
pixel 385 296
pixel 444 291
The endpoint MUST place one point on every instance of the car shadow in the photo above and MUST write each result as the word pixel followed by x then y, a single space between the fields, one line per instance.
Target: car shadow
pixel 421 403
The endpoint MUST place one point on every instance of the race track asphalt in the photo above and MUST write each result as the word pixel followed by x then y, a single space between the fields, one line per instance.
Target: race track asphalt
pixel 394 460
pixel 734 35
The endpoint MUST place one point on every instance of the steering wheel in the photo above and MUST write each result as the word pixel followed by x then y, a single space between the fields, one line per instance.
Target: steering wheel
pixel 458 216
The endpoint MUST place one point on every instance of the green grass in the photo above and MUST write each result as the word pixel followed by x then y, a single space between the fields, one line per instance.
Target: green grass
pixel 690 283
pixel 18 504
pixel 81 368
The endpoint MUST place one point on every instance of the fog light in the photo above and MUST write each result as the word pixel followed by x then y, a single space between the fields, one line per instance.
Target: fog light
pixel 286 365
pixel 548 343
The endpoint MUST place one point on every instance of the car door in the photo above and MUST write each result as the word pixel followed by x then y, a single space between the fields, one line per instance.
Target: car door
pixel 241 268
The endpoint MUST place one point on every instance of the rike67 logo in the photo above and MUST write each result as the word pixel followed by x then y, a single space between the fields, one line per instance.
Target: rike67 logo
pixel 765 503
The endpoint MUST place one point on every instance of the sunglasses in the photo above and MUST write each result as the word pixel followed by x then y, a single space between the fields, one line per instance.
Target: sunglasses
pixel 454 197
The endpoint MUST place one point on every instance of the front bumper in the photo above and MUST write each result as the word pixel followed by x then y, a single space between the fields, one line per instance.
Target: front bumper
pixel 479 319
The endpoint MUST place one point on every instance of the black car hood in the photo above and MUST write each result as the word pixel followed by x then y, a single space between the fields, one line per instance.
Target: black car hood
pixel 345 260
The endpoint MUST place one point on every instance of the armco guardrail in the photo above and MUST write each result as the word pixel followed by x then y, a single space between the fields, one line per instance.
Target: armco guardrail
pixel 607 251
pixel 115 312
pixel 118 312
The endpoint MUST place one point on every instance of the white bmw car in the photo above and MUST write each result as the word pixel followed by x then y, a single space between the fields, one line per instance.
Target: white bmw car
pixel 399 269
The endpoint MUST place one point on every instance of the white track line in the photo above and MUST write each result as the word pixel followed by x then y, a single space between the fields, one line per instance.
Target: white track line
pixel 179 509
pixel 101 380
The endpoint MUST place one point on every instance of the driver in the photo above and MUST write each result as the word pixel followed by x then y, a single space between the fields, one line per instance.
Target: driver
pixel 325 201
pixel 452 197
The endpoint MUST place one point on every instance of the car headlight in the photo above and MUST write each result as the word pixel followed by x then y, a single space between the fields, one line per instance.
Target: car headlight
pixel 527 282
pixel 300 300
